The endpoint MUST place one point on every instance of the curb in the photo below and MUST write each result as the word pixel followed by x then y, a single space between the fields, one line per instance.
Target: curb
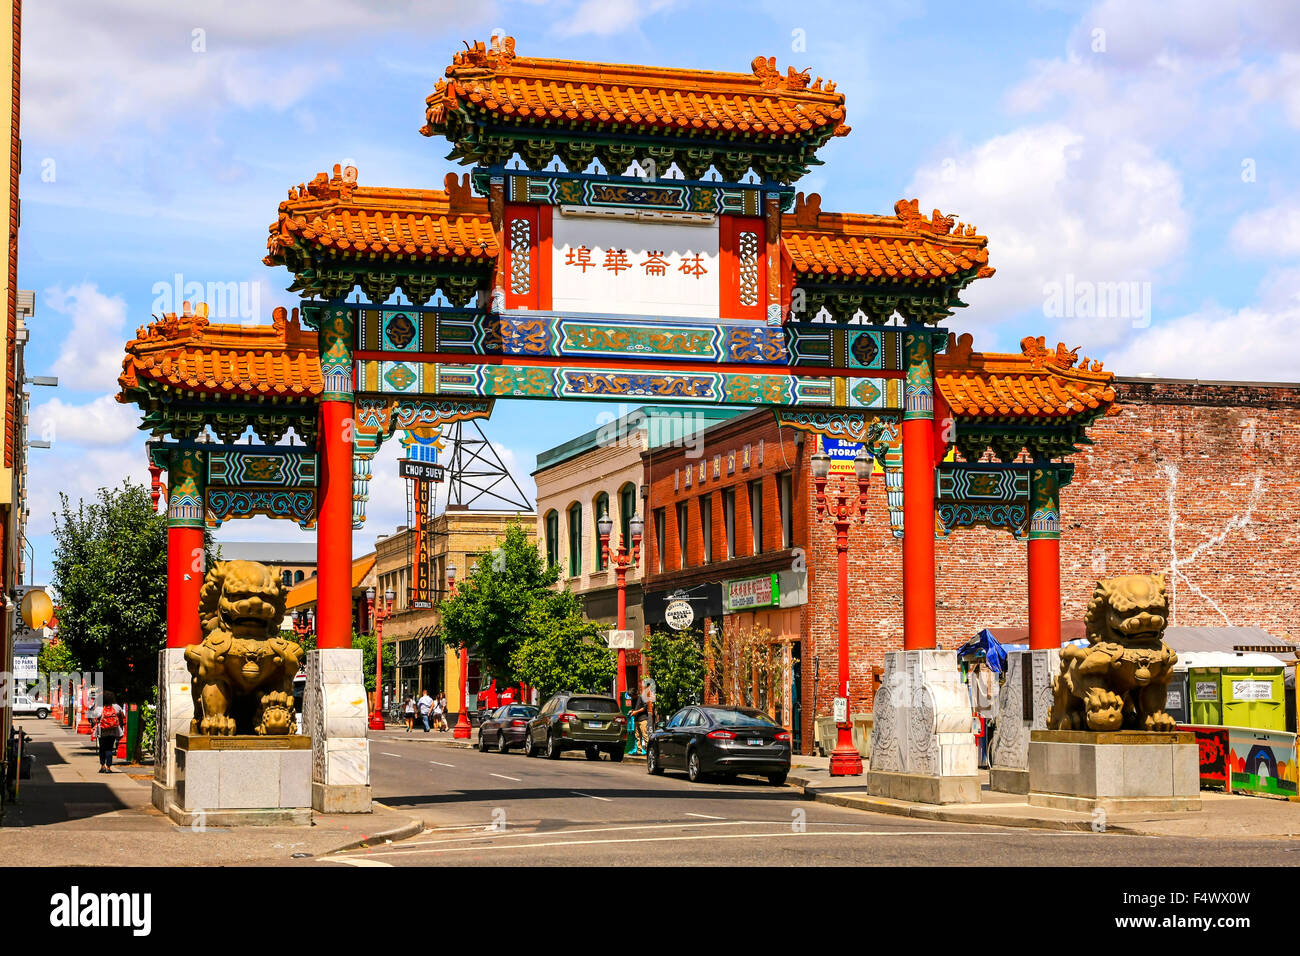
pixel 413 826
pixel 941 814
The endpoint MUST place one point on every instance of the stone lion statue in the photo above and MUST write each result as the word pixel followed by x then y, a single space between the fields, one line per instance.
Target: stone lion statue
pixel 1119 681
pixel 242 674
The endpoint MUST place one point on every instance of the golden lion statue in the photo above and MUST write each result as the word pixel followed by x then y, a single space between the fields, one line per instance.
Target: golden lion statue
pixel 1119 682
pixel 242 674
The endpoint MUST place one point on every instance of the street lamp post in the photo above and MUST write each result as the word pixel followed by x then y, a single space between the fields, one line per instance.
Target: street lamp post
pixel 462 728
pixel 622 562
pixel 378 616
pixel 841 509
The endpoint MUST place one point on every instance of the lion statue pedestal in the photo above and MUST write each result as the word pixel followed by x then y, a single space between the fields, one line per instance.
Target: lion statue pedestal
pixel 1109 744
pixel 240 762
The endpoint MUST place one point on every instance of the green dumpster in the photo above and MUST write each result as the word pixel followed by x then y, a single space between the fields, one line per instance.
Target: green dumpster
pixel 1236 690
pixel 132 730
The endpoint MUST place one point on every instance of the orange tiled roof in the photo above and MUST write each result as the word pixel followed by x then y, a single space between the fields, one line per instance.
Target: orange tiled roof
pixel 335 213
pixel 763 102
pixel 187 353
pixel 905 245
pixel 1038 383
pixel 304 592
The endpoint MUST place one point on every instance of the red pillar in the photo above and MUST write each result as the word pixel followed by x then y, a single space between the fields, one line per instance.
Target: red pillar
pixel 186 475
pixel 918 496
pixel 334 527
pixel 1044 561
pixel 184 582
pixel 621 574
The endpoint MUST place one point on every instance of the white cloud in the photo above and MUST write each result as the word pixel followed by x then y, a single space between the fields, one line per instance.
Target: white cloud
pixel 1058 203
pixel 1270 233
pixel 103 422
pixel 1245 345
pixel 607 17
pixel 91 354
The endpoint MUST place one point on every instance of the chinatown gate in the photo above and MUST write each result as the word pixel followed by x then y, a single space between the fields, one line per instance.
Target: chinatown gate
pixel 585 256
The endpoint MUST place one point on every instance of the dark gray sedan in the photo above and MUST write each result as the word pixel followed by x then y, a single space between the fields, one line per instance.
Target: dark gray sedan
pixel 705 740
pixel 505 727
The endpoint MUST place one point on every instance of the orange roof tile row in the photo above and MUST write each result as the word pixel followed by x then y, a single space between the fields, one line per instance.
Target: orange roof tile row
pixel 304 592
pixel 187 352
pixel 335 213
pixel 905 244
pixel 763 102
pixel 1038 383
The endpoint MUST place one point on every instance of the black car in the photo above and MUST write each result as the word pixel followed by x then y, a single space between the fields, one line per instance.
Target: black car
pixel 587 722
pixel 505 727
pixel 704 740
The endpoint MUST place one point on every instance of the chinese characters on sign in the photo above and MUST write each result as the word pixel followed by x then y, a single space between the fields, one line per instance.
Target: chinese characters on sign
pixel 654 263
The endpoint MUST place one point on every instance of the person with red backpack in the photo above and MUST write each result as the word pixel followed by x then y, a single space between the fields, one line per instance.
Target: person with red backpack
pixel 108 723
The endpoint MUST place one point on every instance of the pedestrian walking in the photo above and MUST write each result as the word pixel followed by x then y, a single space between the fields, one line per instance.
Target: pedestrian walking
pixel 439 721
pixel 425 707
pixel 408 712
pixel 108 723
pixel 640 714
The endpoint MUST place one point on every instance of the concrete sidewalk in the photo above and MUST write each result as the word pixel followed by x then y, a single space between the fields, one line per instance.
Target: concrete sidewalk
pixel 68 814
pixel 1222 816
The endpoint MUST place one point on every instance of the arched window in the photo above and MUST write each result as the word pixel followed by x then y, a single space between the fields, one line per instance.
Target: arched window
pixel 286 577
pixel 297 576
pixel 552 522
pixel 601 508
pixel 575 539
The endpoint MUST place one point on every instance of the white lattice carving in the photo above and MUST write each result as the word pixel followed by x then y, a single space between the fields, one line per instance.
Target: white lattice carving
pixel 748 256
pixel 521 247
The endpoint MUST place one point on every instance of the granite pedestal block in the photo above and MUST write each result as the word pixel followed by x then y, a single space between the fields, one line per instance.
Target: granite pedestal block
pixel 1023 704
pixel 922 745
pixel 174 713
pixel 1128 770
pixel 335 716
pixel 242 780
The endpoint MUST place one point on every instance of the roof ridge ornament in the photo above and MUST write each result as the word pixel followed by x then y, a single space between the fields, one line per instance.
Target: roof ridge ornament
pixel 938 224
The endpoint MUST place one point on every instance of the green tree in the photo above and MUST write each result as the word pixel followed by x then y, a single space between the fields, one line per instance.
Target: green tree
pixel 56 658
pixel 110 573
pixel 563 651
pixel 678 669
pixel 493 605
pixel 366 642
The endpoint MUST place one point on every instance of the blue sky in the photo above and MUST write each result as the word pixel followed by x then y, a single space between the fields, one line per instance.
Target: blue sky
pixel 1148 144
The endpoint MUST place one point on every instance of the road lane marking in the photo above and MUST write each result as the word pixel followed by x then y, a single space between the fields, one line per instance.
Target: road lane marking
pixel 592 795
pixel 387 754
pixel 441 764
pixel 356 861
pixel 504 777
pixel 677 839
pixel 704 816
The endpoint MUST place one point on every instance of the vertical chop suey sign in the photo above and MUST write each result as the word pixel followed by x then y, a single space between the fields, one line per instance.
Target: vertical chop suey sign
pixel 753 592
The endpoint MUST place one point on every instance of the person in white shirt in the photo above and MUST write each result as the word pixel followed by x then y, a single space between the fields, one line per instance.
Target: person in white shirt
pixel 425 706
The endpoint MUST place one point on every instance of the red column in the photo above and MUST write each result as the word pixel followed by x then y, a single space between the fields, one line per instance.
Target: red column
pixel 184 582
pixel 334 527
pixel 621 573
pixel 1044 560
pixel 918 535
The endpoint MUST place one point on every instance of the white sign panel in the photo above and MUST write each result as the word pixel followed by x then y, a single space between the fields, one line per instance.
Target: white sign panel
pixel 1206 690
pixel 634 267
pixel 679 615
pixel 1252 690
pixel 1174 699
pixel 841 710
pixel 622 640
pixel 25 668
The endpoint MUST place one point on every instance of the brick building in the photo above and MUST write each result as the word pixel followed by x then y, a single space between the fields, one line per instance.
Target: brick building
pixel 602 472
pixel 1196 479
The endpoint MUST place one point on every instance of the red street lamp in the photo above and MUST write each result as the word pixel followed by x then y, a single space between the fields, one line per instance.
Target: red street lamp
pixel 841 509
pixel 622 561
pixel 462 729
pixel 378 616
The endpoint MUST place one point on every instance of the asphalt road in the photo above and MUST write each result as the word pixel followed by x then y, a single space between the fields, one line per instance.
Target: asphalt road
pixel 495 809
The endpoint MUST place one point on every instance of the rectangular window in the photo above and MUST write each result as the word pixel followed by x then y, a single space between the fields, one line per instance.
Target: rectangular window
pixel 706 526
pixel 575 541
pixel 785 492
pixel 683 530
pixel 729 519
pixel 756 513
pixel 661 534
